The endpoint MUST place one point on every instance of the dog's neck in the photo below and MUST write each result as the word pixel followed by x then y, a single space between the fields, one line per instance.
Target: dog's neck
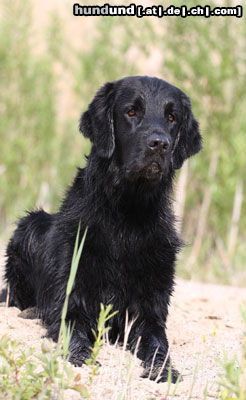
pixel 101 188
pixel 137 196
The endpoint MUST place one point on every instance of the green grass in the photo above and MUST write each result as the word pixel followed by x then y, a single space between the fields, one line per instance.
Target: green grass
pixel 25 375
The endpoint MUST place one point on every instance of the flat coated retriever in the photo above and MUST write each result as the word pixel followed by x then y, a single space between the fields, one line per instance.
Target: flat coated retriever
pixel 142 129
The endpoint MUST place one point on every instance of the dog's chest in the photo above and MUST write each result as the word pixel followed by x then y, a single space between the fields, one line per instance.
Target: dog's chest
pixel 127 241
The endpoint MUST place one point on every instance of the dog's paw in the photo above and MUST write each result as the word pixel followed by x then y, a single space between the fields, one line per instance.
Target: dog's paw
pixel 79 360
pixel 155 374
pixel 174 376
pixel 29 313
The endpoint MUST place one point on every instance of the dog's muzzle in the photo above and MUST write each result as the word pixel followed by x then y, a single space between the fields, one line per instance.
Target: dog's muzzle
pixel 153 171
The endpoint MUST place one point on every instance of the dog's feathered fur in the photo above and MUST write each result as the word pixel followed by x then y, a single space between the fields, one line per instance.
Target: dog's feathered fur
pixel 123 196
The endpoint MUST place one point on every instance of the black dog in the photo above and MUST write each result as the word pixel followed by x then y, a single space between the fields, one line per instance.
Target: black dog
pixel 141 130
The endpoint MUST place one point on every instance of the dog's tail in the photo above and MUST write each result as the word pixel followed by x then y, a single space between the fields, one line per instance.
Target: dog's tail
pixel 23 258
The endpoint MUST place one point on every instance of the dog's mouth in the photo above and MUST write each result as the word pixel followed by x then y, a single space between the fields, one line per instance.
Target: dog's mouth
pixel 152 172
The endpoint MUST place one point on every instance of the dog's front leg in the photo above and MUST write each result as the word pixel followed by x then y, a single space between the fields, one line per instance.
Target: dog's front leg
pixel 79 346
pixel 81 339
pixel 153 351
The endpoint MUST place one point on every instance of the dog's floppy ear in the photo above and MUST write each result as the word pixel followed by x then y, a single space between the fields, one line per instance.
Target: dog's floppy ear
pixel 97 122
pixel 189 140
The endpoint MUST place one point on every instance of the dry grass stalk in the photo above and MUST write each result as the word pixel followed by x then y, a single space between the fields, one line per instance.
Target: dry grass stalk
pixel 7 298
pixel 201 226
pixel 223 252
pixel 238 199
pixel 180 195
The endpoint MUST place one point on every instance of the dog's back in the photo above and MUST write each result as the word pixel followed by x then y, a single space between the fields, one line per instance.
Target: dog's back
pixel 22 253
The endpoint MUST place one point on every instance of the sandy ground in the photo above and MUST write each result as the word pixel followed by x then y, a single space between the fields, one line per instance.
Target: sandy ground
pixel 204 321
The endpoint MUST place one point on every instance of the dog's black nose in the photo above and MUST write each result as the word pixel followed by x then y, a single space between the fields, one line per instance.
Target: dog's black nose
pixel 158 143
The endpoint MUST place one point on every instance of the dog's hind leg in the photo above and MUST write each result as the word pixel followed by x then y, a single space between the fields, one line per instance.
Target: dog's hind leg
pixel 22 259
pixel 21 293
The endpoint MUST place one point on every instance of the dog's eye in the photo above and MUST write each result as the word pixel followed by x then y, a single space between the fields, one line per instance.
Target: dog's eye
pixel 170 117
pixel 131 112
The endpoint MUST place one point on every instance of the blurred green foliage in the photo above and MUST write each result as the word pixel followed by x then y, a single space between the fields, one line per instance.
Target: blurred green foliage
pixel 40 147
pixel 207 59
pixel 33 147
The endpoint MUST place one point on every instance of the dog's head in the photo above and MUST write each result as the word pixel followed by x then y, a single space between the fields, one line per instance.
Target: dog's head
pixel 145 124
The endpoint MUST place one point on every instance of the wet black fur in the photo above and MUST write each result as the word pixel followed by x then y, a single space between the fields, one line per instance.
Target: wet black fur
pixel 123 196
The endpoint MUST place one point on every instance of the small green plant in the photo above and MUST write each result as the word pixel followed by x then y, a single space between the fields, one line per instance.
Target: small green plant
pixel 104 316
pixel 233 380
pixel 66 331
pixel 25 375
